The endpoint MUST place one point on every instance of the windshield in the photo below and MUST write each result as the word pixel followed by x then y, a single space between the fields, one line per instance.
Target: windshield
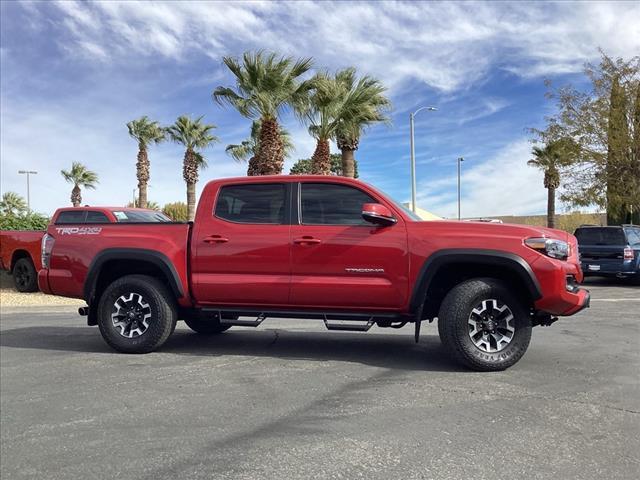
pixel 140 216
pixel 400 206
pixel 600 236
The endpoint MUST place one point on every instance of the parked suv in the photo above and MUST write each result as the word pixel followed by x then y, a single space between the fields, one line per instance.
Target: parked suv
pixel 610 251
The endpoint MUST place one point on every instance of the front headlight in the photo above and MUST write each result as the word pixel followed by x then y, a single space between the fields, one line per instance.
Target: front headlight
pixel 550 247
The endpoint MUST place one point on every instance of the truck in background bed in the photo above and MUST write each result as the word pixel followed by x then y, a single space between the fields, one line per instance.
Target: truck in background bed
pixel 317 247
pixel 20 250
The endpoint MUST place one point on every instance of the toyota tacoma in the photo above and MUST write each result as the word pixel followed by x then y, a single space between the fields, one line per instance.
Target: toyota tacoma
pixel 316 247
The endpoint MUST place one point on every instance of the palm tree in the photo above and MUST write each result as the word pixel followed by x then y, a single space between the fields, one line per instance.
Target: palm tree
pixel 328 105
pixel 12 204
pixel 265 85
pixel 550 159
pixel 248 149
pixel 193 135
pixel 80 176
pixel 369 104
pixel 145 132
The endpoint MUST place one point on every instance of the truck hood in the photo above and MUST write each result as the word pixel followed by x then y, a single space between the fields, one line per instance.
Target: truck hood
pixel 494 230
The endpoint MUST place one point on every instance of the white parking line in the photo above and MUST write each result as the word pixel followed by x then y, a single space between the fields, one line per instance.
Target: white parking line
pixel 615 299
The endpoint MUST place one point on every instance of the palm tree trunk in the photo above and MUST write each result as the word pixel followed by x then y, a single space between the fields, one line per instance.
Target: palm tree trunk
pixel 551 207
pixel 142 171
pixel 348 163
pixel 190 175
pixel 76 196
pixel 253 168
pixel 321 159
pixel 270 150
pixel 191 201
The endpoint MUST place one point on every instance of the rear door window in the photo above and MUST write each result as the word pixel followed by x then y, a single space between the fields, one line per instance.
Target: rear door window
pixel 633 236
pixel 71 216
pixel 259 204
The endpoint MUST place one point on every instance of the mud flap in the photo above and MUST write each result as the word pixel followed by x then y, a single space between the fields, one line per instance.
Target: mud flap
pixel 417 331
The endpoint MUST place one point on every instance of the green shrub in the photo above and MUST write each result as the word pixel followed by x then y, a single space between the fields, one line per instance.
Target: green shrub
pixel 177 211
pixel 26 221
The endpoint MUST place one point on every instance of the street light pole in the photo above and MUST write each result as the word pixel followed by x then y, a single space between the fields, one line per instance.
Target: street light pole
pixel 460 160
pixel 413 154
pixel 28 172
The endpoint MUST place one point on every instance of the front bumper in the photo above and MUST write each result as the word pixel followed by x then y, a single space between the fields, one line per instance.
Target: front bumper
pixel 558 283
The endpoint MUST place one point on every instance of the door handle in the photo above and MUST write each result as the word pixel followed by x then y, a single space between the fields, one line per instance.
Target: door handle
pixel 307 240
pixel 215 239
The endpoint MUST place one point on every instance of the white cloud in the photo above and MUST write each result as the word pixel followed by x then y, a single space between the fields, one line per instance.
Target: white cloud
pixel 443 44
pixel 502 185
pixel 99 142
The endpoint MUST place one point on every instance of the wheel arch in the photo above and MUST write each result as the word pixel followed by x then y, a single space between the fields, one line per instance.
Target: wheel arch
pixel 113 263
pixel 448 267
pixel 17 255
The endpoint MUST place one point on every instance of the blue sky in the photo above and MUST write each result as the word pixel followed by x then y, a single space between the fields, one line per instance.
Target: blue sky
pixel 73 74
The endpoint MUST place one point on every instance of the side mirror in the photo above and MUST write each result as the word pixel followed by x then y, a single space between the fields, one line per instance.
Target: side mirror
pixel 378 214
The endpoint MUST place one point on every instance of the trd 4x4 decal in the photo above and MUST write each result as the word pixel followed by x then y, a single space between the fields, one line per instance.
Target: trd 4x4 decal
pixel 79 230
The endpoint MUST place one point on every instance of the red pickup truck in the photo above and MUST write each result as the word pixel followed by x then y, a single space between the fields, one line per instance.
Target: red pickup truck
pixel 20 249
pixel 328 248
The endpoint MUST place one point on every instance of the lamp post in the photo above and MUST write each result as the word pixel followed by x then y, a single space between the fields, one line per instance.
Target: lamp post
pixel 27 173
pixel 413 155
pixel 460 160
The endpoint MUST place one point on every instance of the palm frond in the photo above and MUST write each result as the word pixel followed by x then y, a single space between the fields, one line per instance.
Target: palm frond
pixel 265 83
pixel 80 176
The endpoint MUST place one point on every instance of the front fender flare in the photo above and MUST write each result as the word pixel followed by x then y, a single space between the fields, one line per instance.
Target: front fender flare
pixel 443 257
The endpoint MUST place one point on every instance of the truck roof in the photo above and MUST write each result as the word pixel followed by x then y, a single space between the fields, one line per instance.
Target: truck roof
pixel 287 178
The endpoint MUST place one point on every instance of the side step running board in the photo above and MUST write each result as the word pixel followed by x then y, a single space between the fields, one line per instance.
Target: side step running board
pixel 353 322
pixel 348 325
pixel 242 323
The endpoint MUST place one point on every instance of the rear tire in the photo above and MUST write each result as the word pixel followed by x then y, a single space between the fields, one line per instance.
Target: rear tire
pixel 136 314
pixel 206 325
pixel 25 277
pixel 483 325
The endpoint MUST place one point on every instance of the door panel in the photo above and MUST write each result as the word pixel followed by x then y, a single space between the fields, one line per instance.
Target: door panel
pixel 353 266
pixel 239 263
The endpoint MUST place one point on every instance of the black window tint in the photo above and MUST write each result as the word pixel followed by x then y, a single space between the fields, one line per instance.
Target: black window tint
pixel 96 217
pixel 264 203
pixel 71 216
pixel 327 204
pixel 600 236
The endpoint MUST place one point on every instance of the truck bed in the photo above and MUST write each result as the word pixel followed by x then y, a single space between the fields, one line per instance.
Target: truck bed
pixel 18 241
pixel 78 248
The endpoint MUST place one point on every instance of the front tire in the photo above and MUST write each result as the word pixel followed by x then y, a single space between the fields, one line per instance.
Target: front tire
pixel 25 277
pixel 136 314
pixel 483 325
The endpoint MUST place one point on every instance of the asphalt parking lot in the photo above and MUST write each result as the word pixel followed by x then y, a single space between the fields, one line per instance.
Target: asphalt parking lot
pixel 292 401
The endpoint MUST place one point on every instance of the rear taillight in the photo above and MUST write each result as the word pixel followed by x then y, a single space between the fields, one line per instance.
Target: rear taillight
pixel 47 246
pixel 628 253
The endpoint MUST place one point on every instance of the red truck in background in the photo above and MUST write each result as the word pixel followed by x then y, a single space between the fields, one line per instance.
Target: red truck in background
pixel 328 248
pixel 20 250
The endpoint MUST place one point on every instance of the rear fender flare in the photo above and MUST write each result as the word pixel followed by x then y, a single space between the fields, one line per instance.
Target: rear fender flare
pixel 152 257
